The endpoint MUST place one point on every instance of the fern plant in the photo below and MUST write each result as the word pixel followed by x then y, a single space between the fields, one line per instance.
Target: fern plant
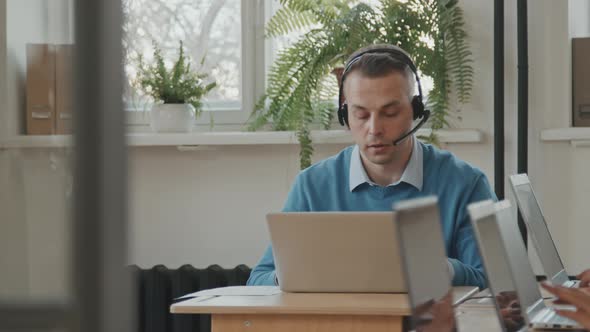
pixel 300 87
pixel 178 85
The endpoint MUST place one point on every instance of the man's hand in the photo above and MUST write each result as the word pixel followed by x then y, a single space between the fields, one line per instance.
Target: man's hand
pixel 577 297
pixel 440 313
pixel 584 278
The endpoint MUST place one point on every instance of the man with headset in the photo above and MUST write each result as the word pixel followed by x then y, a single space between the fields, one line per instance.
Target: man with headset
pixel 388 163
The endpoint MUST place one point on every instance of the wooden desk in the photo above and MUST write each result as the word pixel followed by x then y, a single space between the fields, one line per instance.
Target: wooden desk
pixel 483 319
pixel 305 312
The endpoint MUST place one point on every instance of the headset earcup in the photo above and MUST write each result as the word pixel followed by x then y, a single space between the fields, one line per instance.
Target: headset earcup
pixel 417 107
pixel 343 115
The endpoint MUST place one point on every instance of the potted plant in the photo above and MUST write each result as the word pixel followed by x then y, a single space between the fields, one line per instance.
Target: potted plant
pixel 301 90
pixel 177 91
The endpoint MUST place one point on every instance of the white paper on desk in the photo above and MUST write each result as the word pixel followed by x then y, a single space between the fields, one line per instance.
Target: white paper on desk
pixel 236 291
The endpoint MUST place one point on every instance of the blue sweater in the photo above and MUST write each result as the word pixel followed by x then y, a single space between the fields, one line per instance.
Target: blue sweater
pixel 325 187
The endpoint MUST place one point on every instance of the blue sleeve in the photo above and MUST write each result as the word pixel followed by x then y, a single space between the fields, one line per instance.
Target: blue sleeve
pixel 264 272
pixel 467 264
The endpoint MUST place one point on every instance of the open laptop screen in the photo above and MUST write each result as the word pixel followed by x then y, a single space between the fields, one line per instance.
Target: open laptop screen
pixel 533 216
pixel 336 252
pixel 520 266
pixel 497 269
pixel 424 260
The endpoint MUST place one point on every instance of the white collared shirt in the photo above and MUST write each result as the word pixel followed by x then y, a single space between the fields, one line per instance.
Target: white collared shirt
pixel 413 174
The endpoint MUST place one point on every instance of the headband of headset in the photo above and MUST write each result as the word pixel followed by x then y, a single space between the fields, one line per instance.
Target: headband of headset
pixel 395 53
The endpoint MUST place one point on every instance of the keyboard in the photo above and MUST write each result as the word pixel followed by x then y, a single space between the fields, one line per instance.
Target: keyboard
pixel 549 317
pixel 572 283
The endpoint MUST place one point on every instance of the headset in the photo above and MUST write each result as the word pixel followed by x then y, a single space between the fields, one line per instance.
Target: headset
pixel 396 53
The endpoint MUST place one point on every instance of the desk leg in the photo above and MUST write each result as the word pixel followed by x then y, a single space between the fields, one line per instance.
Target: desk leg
pixel 299 323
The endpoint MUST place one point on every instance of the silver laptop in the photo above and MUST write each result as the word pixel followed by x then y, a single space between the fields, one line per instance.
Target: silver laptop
pixel 495 225
pixel 425 264
pixel 493 253
pixel 537 226
pixel 344 252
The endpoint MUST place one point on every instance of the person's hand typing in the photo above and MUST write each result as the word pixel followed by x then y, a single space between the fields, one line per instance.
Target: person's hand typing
pixel 584 278
pixel 577 297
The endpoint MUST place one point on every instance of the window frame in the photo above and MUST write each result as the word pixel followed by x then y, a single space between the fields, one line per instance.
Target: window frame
pixel 254 51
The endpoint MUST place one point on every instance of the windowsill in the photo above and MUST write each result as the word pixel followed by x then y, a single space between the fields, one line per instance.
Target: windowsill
pixel 576 136
pixel 228 138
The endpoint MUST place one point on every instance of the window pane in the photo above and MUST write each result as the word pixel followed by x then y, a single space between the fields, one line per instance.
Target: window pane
pixel 210 31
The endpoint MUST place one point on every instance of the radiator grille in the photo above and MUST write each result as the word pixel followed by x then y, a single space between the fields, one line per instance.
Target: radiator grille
pixel 158 286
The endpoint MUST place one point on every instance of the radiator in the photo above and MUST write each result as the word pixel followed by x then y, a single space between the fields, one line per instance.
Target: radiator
pixel 159 286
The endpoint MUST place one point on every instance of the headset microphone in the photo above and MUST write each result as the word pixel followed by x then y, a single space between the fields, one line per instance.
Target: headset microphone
pixel 425 116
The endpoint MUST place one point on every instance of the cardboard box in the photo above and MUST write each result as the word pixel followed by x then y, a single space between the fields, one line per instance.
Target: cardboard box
pixel 40 89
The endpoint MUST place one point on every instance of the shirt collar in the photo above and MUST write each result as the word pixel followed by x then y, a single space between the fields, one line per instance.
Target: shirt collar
pixel 413 174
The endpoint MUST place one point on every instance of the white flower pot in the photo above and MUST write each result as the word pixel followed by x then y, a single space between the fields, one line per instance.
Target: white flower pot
pixel 172 118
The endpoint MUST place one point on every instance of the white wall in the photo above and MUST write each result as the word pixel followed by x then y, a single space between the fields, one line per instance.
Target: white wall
pixel 35 202
pixel 13 232
pixel 549 106
pixel 210 207
pixel 207 207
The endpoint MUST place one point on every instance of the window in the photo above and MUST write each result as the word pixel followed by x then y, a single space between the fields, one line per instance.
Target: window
pixel 224 38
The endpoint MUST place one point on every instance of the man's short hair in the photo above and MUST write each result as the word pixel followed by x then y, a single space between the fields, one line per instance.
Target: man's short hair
pixel 380 64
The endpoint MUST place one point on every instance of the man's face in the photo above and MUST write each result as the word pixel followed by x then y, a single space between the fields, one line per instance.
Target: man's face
pixel 379 112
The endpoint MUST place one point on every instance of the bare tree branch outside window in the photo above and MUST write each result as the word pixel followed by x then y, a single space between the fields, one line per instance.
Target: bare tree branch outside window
pixel 209 29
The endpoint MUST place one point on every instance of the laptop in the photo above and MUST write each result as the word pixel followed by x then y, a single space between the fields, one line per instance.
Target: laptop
pixel 494 224
pixel 493 253
pixel 336 252
pixel 537 226
pixel 425 265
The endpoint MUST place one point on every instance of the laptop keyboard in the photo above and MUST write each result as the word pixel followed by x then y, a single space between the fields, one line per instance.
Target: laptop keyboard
pixel 551 318
pixel 571 283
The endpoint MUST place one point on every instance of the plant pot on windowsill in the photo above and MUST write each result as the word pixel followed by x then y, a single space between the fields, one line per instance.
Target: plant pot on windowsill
pixel 177 90
pixel 172 118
